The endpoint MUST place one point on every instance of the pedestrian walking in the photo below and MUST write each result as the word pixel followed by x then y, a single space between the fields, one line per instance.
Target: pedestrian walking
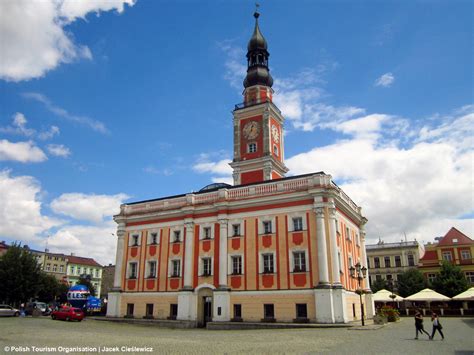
pixel 419 325
pixel 436 326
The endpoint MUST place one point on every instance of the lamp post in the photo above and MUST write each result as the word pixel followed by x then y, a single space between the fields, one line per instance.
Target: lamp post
pixel 359 272
pixel 392 296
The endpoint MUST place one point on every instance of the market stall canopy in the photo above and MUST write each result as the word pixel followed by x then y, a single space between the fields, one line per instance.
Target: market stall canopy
pixel 467 295
pixel 427 295
pixel 384 296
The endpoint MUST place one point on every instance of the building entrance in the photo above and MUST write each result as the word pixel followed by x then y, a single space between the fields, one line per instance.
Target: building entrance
pixel 204 306
pixel 207 316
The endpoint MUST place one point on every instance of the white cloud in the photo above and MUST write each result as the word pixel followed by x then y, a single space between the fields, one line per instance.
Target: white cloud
pixel 45 135
pixel 33 37
pixel 93 208
pixel 20 208
pixel 235 70
pixel 78 239
pixel 18 126
pixel 95 125
pixel 386 80
pixel 220 169
pixel 24 152
pixel 402 188
pixel 156 171
pixel 58 150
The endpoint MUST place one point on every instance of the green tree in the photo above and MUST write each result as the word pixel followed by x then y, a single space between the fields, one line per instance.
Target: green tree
pixel 410 282
pixel 450 281
pixel 50 288
pixel 87 282
pixel 378 285
pixel 19 275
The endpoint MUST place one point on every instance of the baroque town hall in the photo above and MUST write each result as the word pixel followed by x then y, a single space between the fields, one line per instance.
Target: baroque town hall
pixel 268 248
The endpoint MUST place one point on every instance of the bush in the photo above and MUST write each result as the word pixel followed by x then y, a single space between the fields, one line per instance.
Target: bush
pixel 391 313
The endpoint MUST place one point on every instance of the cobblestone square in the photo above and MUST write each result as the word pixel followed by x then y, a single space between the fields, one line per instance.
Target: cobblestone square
pixel 22 334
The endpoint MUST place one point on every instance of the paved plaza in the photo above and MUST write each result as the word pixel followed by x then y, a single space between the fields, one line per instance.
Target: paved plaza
pixel 25 333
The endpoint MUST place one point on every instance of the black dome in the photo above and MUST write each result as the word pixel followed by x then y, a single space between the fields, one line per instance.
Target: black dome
pixel 257 41
pixel 215 186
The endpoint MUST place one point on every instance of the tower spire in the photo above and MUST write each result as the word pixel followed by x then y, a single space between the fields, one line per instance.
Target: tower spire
pixel 258 72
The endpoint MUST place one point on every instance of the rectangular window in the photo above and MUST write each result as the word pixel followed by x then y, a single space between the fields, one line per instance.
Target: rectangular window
pixel 206 267
pixel 376 262
pixel 173 311
pixel 236 265
pixel 368 263
pixel 176 236
pixel 297 224
pixel 411 260
pixel 431 277
pixel 447 256
pixel 275 150
pixel 268 264
pixel 268 311
pixel 132 271
pixel 72 270
pixel 78 270
pixel 237 311
pixel 267 227
pixel 135 240
pixel 398 261
pixel 152 269
pixel 299 261
pixel 389 277
pixel 470 276
pixel 348 234
pixel 96 273
pixel 48 267
pixel 387 261
pixel 175 268
pixel 130 309
pixel 149 310
pixel 55 267
pixel 465 254
pixel 154 238
pixel 207 233
pixel 301 310
pixel 378 277
pixel 61 268
pixel 235 230
pixel 251 147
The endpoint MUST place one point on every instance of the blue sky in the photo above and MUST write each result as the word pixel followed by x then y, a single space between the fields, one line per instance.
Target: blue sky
pixel 104 102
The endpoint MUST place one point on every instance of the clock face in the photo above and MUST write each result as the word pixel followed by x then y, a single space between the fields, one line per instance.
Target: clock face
pixel 251 130
pixel 275 134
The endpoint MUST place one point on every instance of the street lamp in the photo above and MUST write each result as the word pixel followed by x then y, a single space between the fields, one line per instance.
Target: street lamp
pixel 359 272
pixel 392 296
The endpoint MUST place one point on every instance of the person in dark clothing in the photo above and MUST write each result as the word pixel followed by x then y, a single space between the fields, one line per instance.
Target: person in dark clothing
pixel 436 326
pixel 419 325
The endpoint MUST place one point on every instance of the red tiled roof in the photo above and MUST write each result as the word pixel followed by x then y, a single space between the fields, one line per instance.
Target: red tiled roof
pixel 82 261
pixel 429 255
pixel 453 233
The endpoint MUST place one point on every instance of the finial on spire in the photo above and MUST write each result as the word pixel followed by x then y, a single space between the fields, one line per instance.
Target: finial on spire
pixel 256 14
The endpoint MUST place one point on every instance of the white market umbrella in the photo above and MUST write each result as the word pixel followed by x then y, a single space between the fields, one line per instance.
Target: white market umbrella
pixel 467 295
pixel 384 296
pixel 427 295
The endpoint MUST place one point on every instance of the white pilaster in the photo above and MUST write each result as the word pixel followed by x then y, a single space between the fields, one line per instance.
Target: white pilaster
pixel 188 276
pixel 223 223
pixel 119 256
pixel 322 249
pixel 324 305
pixel 113 304
pixel 221 312
pixel 187 306
pixel 336 280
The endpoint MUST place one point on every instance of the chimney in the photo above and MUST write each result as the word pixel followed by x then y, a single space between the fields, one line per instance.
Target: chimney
pixel 72 254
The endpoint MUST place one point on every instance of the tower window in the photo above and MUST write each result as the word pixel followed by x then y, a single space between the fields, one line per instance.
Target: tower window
pixel 275 150
pixel 252 148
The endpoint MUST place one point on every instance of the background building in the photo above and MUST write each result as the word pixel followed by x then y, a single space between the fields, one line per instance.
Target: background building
pixel 269 248
pixel 108 273
pixel 454 247
pixel 78 266
pixel 387 260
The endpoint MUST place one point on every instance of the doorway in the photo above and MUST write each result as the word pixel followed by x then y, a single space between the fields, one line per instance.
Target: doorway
pixel 204 308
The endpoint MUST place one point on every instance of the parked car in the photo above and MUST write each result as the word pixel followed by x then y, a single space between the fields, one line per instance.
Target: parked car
pixel 43 307
pixel 68 313
pixel 8 311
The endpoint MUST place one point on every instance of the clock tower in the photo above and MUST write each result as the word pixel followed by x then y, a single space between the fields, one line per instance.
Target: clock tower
pixel 258 123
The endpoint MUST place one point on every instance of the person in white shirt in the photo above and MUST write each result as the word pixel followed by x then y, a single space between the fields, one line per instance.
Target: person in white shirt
pixel 436 326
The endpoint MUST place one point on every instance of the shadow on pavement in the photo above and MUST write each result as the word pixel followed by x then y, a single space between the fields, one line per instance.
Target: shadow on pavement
pixel 469 322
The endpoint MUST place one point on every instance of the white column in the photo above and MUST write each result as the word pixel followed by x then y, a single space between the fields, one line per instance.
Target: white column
pixel 336 280
pixel 188 263
pixel 322 249
pixel 119 256
pixel 223 222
